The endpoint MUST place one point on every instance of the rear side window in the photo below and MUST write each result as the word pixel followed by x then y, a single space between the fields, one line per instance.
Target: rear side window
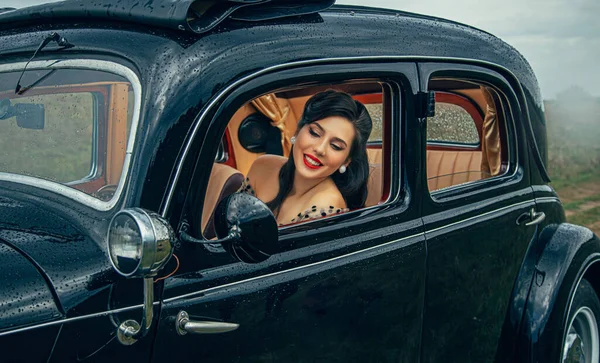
pixel 452 123
pixel 69 126
pixel 466 139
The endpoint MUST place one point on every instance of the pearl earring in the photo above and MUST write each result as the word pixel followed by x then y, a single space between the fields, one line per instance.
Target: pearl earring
pixel 293 140
pixel 342 169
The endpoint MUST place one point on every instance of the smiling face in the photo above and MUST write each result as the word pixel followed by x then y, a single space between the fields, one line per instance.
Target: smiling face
pixel 323 146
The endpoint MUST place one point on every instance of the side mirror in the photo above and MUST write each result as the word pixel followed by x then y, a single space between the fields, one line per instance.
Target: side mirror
pixel 246 228
pixel 140 243
pixel 28 115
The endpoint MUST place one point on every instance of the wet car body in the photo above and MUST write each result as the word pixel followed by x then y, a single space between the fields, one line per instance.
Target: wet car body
pixel 372 292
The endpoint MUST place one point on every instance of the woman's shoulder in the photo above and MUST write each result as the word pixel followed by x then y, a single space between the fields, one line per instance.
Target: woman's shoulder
pixel 266 163
pixel 322 208
pixel 326 201
pixel 263 176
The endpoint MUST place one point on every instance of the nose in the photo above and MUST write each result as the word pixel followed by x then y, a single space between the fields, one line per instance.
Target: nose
pixel 320 148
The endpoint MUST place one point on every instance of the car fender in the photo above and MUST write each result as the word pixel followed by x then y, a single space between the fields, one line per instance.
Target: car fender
pixel 568 251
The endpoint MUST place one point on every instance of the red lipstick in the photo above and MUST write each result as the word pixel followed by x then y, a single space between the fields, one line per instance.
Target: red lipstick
pixel 312 158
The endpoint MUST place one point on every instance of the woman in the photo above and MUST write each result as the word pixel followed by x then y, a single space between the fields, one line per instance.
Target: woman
pixel 328 167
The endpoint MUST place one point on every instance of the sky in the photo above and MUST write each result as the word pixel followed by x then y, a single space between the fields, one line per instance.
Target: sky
pixel 559 38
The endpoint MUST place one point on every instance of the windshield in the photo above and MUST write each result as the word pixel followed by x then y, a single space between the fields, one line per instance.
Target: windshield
pixel 72 127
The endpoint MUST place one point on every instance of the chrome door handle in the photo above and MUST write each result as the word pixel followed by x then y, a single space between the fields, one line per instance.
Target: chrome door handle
pixel 184 325
pixel 536 218
pixel 532 217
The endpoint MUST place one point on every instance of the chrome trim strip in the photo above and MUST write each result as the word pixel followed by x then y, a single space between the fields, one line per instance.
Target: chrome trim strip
pixel 548 199
pixel 94 65
pixel 456 145
pixel 531 201
pixel 77 318
pixel 202 292
pixel 167 202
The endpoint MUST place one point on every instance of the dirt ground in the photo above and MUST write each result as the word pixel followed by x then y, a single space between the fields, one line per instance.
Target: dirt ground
pixel 582 203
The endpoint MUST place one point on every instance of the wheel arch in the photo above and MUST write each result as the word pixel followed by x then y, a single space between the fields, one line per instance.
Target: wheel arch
pixel 570 253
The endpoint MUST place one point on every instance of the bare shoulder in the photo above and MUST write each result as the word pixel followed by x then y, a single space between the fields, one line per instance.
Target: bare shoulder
pixel 263 175
pixel 328 196
pixel 265 165
pixel 324 202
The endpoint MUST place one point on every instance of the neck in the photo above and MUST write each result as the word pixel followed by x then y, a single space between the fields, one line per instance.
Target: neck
pixel 302 185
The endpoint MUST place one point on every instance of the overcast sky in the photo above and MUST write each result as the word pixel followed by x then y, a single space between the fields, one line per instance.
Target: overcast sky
pixel 560 38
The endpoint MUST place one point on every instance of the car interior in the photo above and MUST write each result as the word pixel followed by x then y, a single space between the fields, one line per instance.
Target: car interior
pixel 465 138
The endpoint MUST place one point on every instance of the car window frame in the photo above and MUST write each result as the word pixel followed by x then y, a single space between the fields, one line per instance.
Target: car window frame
pixel 214 122
pixel 511 110
pixel 65 189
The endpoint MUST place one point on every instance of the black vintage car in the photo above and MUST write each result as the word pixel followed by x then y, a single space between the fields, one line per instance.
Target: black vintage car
pixel 127 128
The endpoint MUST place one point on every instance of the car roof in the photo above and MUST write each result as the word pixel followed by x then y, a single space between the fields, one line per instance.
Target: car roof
pixel 237 47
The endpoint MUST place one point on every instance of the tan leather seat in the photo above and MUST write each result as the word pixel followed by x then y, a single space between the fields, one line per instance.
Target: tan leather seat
pixel 224 180
pixel 448 168
pixel 374 185
pixel 375 156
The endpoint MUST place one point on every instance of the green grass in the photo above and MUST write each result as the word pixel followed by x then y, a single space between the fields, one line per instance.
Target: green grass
pixel 586 218
pixel 575 179
pixel 574 205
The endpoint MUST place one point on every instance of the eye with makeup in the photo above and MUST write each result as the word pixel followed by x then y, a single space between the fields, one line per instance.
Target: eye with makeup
pixel 336 147
pixel 313 132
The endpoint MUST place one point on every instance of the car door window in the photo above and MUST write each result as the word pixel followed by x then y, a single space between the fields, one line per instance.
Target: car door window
pixel 266 125
pixel 466 139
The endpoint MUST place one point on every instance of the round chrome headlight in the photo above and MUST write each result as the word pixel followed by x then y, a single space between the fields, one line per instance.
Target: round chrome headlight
pixel 139 242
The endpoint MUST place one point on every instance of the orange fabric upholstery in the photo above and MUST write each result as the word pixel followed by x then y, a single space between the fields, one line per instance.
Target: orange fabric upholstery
pixel 224 180
pixel 448 168
pixel 491 149
pixel 278 110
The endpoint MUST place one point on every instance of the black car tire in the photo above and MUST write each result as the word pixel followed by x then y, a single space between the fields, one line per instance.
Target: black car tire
pixel 581 341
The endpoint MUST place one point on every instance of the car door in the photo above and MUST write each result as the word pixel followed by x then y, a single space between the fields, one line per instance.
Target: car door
pixel 344 288
pixel 475 214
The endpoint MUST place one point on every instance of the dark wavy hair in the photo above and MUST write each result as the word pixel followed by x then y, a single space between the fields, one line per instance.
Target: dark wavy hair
pixel 353 183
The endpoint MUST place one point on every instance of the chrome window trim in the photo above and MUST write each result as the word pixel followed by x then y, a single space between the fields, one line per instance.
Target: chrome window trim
pixel 453 144
pixel 94 65
pixel 215 99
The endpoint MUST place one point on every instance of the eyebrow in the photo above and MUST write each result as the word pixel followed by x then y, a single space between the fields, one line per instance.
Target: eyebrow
pixel 333 138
